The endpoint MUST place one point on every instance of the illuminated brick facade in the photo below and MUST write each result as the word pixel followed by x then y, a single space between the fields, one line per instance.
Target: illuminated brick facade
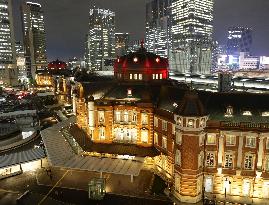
pixel 208 143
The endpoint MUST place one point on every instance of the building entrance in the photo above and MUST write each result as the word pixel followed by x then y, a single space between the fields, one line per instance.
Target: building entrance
pixel 125 135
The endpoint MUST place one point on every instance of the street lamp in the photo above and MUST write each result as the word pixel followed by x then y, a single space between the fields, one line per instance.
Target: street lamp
pixel 226 186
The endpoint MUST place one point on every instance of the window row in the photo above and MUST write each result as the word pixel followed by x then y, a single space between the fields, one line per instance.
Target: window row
pixel 164 123
pixel 129 116
pixel 191 123
pixel 229 112
pixel 230 140
pixel 229 161
pixel 136 76
pixel 125 135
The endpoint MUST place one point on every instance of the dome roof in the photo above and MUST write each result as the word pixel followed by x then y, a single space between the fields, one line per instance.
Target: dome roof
pixel 191 105
pixel 141 59
pixel 57 65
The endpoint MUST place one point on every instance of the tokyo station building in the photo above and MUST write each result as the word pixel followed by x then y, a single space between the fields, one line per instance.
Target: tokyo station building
pixel 200 143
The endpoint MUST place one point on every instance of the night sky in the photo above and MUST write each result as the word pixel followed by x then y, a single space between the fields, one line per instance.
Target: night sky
pixel 66 22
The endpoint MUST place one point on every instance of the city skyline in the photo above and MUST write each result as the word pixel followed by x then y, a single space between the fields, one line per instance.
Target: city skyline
pixel 226 14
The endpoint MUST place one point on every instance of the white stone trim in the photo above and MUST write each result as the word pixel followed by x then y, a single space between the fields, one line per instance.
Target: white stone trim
pixel 239 156
pixel 220 151
pixel 260 153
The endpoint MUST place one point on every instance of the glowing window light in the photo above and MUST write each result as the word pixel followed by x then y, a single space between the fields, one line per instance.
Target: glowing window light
pixel 247 113
pixel 135 59
pixel 157 60
pixel 265 114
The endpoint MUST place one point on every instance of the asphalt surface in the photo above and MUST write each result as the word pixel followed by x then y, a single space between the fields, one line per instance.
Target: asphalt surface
pixel 12 188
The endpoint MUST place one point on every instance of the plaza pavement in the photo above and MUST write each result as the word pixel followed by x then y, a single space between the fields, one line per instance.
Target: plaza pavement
pixel 115 184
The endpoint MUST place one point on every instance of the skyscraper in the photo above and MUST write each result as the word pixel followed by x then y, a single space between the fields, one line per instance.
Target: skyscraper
pixel 34 37
pixel 192 19
pixel 100 42
pixel 8 69
pixel 20 57
pixel 239 40
pixel 122 42
pixel 158 27
pixel 134 45
pixel 192 28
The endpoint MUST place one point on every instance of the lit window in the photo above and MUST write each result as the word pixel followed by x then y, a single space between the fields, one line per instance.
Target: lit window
pixel 202 122
pixel 228 160
pixel 140 76
pixel 248 163
pixel 129 92
pixel 161 76
pixel 131 76
pixel 230 140
pixel 134 116
pixel 190 123
pixel 144 118
pixel 265 114
pixel 101 133
pixel 210 159
pixel 157 60
pixel 118 116
pixel 125 116
pixel 156 76
pixel 178 138
pixel 101 116
pixel 164 142
pixel 229 111
pixel 135 76
pixel 156 122
pixel 144 136
pixel 178 157
pixel 164 125
pixel 250 141
pixel 135 59
pixel 247 113
pixel 208 184
pixel 211 139
pixel 246 187
pixel 179 121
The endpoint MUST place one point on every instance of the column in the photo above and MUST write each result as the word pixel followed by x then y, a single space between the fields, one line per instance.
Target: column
pixel 239 156
pixel 260 153
pixel 220 153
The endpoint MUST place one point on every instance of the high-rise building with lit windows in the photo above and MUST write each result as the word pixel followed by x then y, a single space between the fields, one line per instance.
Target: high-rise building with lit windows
pixel 192 28
pixel 122 42
pixel 158 27
pixel 239 40
pixel 8 69
pixel 100 42
pixel 192 19
pixel 20 58
pixel 34 37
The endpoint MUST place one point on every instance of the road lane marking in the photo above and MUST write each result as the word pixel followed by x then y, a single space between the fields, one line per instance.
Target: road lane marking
pixel 53 188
